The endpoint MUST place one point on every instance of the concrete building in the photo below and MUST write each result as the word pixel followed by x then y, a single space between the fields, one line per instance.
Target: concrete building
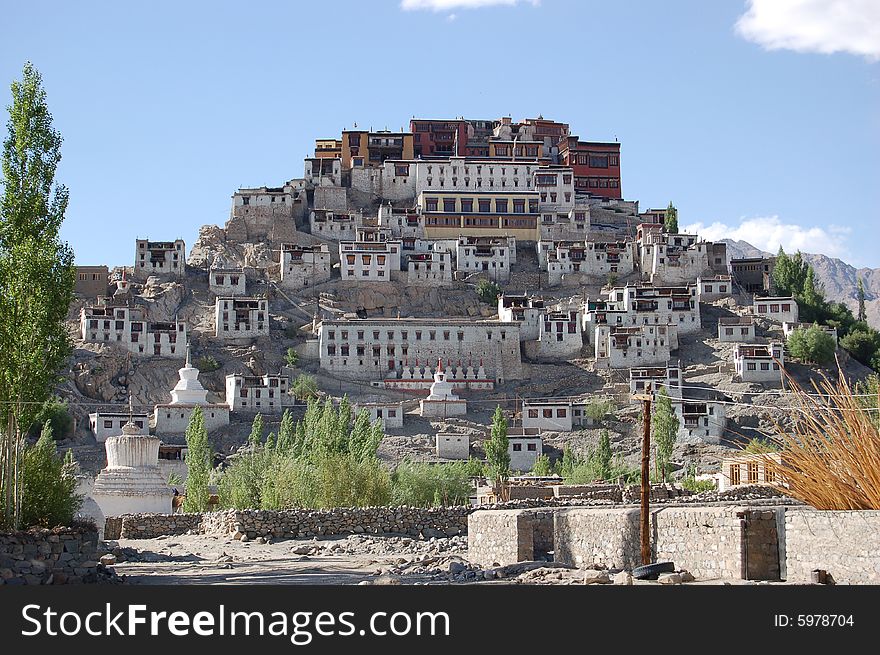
pixel 405 223
pixel 274 209
pixel 596 166
pixel 187 394
pixel 91 281
pixel 378 349
pixel 128 328
pixel 781 310
pixel 304 266
pixel 335 225
pixel 107 424
pixel 736 329
pixel 267 394
pixel 324 172
pixel 754 274
pixel 649 379
pixel 442 401
pixel 432 268
pixel 743 470
pixel 242 317
pixel 560 335
pixel 758 362
pixel 369 260
pixel 453 446
pixel 483 213
pixel 389 413
pixel 524 451
pixel 166 259
pixel 714 288
pixel 227 281
pixel 789 328
pixel 490 255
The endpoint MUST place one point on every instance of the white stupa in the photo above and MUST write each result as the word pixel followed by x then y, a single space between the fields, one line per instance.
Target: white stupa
pixel 188 390
pixel 441 400
pixel 131 483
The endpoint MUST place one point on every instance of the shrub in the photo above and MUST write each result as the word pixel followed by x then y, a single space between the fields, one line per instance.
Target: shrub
pixel 423 485
pixel 598 410
pixel 207 364
pixel 291 357
pixel 48 485
pixel 488 292
pixel 305 387
pixel 697 486
pixel 476 468
pixel 758 446
pixel 56 413
pixel 812 345
pixel 542 466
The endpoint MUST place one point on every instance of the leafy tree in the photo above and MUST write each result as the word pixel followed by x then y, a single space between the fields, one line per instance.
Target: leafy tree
pixel 862 343
pixel 305 387
pixel 862 316
pixel 475 468
pixel 207 364
pixel 199 462
pixel 497 448
pixel 55 411
pixel 598 410
pixel 542 466
pixel 488 291
pixel 49 492
pixel 664 425
pixel 670 223
pixel 812 345
pixel 566 465
pixel 36 281
pixel 256 436
pixel 291 357
pixel 603 455
pixel 423 485
pixel 760 446
pixel 286 432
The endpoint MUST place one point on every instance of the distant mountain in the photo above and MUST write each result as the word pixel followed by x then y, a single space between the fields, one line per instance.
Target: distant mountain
pixel 839 279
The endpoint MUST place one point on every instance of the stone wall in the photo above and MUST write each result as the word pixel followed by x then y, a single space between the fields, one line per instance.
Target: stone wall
pixel 608 537
pixel 844 543
pixel 501 537
pixel 57 556
pixel 148 526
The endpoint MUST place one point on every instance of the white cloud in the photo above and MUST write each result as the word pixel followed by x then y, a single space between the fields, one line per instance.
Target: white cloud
pixel 769 232
pixel 447 5
pixel 823 26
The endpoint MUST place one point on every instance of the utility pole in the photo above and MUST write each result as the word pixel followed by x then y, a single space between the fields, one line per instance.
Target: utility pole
pixel 645 532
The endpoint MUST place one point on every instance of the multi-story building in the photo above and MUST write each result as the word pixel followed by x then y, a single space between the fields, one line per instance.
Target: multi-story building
pixel 666 258
pixel 571 261
pixel 439 138
pixel 376 349
pixel 555 187
pixel 781 310
pixel 479 133
pixel 754 274
pixel 328 148
pixel 365 148
pixel 639 345
pixel 714 288
pixel 371 259
pixel 128 328
pixel 524 310
pixel 261 393
pixel 484 213
pixel 758 362
pixel 736 329
pixel 304 266
pixel 241 317
pixel 109 424
pixel 91 282
pixel 490 255
pixel 649 380
pixel 227 281
pixel 335 225
pixel 267 204
pixel 322 172
pixel 161 258
pixel 559 336
pixel 701 420
pixel 431 268
pixel 645 305
pixel 596 166
pixel 556 415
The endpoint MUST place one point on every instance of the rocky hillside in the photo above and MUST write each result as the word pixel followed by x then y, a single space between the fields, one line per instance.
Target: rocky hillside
pixel 839 279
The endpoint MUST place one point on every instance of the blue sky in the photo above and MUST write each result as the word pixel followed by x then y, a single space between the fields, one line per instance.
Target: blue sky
pixel 769 132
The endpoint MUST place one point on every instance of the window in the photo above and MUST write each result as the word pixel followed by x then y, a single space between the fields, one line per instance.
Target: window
pixel 734 474
pixel 431 204
pixel 467 206
pixel 517 447
pixel 533 447
pixel 561 413
pixel 449 205
pixel 501 205
pixel 548 413
pixel 769 474
pixel 750 366
pixel 533 413
pixel 753 472
pixel 484 206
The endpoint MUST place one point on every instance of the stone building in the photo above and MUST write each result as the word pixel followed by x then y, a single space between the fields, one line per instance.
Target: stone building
pixel 304 266
pixel 701 420
pixel 174 417
pixel 483 213
pixel 241 317
pixel 754 274
pixel 267 214
pixel 227 281
pixel 714 288
pixel 335 225
pixel 128 328
pixel 646 304
pixel 369 261
pixel 369 149
pixel 432 268
pixel 91 281
pixel 758 362
pixel 649 380
pixel 666 258
pixel 164 259
pixel 452 446
pixel 742 470
pixel 527 311
pixel 781 310
pixel 596 166
pixel 490 255
pixel 379 348
pixel 736 329
pixel 578 259
pixel 559 336
pixel 639 345
pixel 390 414
pixel 267 394
pixel 108 424
pixel 524 450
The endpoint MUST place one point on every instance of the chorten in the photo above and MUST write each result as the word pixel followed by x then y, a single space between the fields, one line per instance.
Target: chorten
pixel 441 400
pixel 132 483
pixel 188 390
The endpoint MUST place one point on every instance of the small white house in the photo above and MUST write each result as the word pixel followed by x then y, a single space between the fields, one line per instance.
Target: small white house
pixel 110 424
pixel 782 310
pixel 390 413
pixel 714 288
pixel 237 317
pixel 524 450
pixel 227 281
pixel 453 446
pixel 701 420
pixel 736 329
pixel 262 393
pixel 758 362
pixel 745 470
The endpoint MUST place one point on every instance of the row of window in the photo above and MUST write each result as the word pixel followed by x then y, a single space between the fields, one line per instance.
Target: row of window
pixel 404 335
pixel 752 474
pixel 484 205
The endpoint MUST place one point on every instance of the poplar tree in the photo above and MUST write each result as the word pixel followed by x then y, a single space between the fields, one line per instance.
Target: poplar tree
pixel 199 462
pixel 497 453
pixel 36 279
pixel 670 223
pixel 862 315
pixel 664 424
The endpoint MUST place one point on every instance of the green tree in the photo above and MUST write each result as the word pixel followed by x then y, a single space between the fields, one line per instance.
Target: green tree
pixel 304 387
pixel 603 456
pixel 256 436
pixel 50 497
pixel 542 466
pixel 36 280
pixel 862 316
pixel 664 425
pixel 475 468
pixel 812 345
pixel 291 357
pixel 56 412
pixel 207 364
pixel 760 446
pixel 670 223
pixel 199 463
pixel 286 432
pixel 488 291
pixel 862 343
pixel 497 453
